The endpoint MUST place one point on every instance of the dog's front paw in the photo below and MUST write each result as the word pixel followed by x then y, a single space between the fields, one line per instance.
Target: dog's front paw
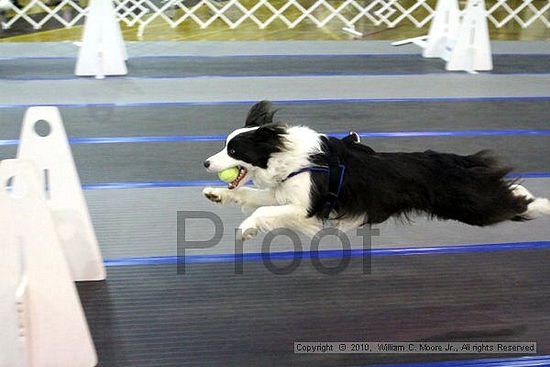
pixel 247 234
pixel 247 230
pixel 216 195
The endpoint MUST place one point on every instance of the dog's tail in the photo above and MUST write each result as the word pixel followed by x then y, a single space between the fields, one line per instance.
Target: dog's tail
pixel 502 199
pixel 536 208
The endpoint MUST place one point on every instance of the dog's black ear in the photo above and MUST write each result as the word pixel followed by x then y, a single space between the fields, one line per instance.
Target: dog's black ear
pixel 271 129
pixel 259 114
pixel 271 137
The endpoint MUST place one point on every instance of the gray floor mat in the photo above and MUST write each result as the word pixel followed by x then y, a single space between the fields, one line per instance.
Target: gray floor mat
pixel 143 223
pixel 251 48
pixel 324 117
pixel 181 67
pixel 153 316
pixel 112 91
pixel 145 162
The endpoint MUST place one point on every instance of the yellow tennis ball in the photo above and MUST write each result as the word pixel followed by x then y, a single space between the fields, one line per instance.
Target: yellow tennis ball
pixel 229 175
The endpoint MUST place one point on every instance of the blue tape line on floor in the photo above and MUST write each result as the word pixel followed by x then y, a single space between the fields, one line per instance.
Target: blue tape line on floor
pixel 526 361
pixel 326 254
pixel 289 101
pixel 139 185
pixel 529 175
pixel 199 183
pixel 382 134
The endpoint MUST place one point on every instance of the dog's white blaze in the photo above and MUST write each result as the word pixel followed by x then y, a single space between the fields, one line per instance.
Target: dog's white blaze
pixel 237 132
pixel 222 160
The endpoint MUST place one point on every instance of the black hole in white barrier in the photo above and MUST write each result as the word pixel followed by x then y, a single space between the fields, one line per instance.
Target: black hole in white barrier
pixel 42 128
pixel 47 183
pixel 9 184
pixel 17 192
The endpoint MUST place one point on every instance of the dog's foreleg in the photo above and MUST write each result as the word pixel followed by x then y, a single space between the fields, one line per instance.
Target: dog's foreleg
pixel 244 196
pixel 268 218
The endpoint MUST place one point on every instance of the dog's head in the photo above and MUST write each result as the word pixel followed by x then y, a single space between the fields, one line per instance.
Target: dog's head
pixel 251 147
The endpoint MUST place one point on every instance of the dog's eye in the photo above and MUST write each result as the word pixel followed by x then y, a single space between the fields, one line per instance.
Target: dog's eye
pixel 232 151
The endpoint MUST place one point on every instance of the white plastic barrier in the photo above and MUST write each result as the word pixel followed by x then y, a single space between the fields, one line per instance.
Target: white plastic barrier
pixel 43 324
pixel 52 155
pixel 102 51
pixel 461 39
pixel 5 5
pixel 13 338
pixel 472 51
pixel 443 30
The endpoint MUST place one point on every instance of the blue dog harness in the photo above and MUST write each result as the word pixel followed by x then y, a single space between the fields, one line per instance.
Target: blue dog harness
pixel 335 174
pixel 307 169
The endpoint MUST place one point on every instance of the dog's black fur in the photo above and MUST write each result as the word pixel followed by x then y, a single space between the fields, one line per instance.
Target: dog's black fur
pixel 257 146
pixel 471 189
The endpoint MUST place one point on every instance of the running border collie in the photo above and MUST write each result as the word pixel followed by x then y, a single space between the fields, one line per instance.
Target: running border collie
pixel 303 178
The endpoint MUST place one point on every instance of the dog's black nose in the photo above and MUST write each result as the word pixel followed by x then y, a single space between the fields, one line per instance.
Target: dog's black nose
pixel 206 163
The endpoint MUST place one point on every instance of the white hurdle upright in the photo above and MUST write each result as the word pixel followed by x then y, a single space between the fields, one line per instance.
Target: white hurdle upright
pixel 52 155
pixel 472 51
pixel 459 38
pixel 102 51
pixel 43 323
pixel 443 30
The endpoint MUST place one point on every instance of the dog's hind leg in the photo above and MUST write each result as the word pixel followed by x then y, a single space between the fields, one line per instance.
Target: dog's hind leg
pixel 536 208
pixel 268 218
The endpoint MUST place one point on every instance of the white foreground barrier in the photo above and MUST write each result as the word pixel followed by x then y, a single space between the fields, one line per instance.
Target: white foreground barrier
pixel 43 324
pixel 13 338
pixel 52 155
pixel 461 39
pixel 102 51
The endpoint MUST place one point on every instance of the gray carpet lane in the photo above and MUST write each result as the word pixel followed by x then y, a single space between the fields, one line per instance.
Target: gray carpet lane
pixel 98 163
pixel 324 117
pixel 153 316
pixel 182 67
pixel 143 223
pixel 254 48
pixel 144 162
pixel 120 91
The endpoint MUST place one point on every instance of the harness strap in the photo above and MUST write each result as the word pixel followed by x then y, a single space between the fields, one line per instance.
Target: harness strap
pixel 335 176
pixel 335 179
pixel 307 169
